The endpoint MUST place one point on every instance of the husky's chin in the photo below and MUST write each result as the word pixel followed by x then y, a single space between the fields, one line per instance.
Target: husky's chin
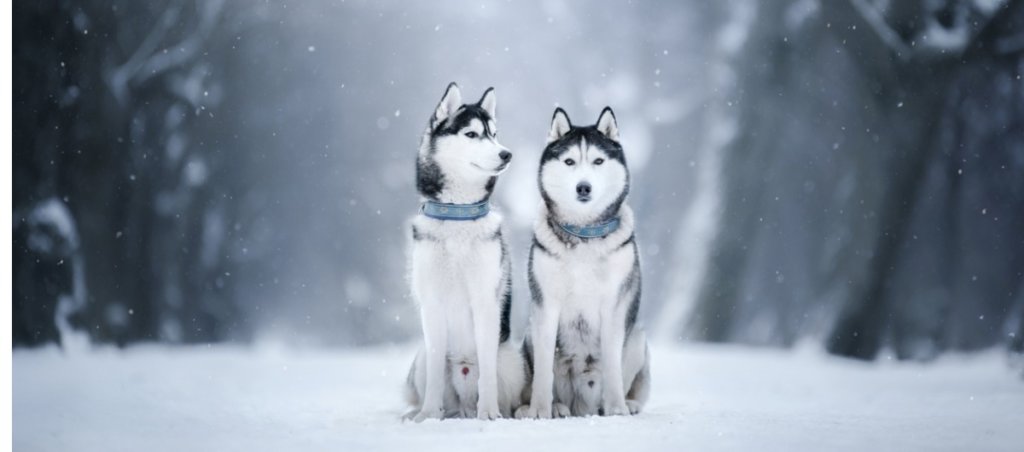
pixel 492 171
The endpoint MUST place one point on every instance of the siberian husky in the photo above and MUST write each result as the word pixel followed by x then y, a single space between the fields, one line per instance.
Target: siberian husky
pixel 460 270
pixel 584 348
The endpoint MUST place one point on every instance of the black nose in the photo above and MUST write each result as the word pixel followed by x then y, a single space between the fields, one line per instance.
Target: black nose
pixel 505 156
pixel 583 189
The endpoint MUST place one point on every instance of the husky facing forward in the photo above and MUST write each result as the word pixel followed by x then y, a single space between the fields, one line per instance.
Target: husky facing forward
pixel 586 352
pixel 460 270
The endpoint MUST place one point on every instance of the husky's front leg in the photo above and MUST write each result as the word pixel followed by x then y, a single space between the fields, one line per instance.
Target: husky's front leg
pixel 544 330
pixel 486 305
pixel 435 338
pixel 613 321
pixel 485 322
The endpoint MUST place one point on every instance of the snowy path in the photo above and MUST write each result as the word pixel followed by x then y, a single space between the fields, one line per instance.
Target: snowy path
pixel 705 398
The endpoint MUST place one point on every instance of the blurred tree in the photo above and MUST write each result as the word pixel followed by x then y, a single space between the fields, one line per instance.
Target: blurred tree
pixel 109 96
pixel 888 89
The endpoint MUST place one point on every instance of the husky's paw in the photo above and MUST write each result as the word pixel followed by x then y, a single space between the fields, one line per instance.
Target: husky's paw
pixel 428 414
pixel 560 410
pixel 634 406
pixel 616 409
pixel 466 412
pixel 522 412
pixel 489 414
pixel 487 409
pixel 410 415
pixel 533 412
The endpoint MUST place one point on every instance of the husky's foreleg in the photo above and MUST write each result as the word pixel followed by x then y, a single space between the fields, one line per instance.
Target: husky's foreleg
pixel 613 320
pixel 543 331
pixel 486 322
pixel 435 339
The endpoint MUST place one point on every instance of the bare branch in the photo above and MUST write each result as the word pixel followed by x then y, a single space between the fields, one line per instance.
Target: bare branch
pixel 885 33
pixel 187 49
pixel 150 61
pixel 122 75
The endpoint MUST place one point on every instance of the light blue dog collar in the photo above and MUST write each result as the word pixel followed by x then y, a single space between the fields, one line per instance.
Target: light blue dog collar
pixel 592 231
pixel 457 212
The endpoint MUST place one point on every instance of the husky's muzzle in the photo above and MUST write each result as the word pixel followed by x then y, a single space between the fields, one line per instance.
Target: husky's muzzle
pixel 505 157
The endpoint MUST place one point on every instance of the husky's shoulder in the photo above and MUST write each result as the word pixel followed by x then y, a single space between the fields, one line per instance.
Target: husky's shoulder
pixel 554 241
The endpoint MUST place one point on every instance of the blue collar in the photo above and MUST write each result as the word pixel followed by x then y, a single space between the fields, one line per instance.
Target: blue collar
pixel 592 231
pixel 457 212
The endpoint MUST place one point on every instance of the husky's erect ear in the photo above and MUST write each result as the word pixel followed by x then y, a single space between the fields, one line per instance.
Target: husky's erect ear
pixel 489 102
pixel 560 125
pixel 607 125
pixel 450 103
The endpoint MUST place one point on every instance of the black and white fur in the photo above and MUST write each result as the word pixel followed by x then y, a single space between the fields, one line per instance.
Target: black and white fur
pixel 585 350
pixel 460 272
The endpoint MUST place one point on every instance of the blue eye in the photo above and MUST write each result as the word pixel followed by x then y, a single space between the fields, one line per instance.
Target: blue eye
pixel 598 161
pixel 570 162
pixel 471 135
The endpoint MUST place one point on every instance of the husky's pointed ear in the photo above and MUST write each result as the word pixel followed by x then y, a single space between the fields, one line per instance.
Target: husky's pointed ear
pixel 560 125
pixel 607 125
pixel 489 102
pixel 450 103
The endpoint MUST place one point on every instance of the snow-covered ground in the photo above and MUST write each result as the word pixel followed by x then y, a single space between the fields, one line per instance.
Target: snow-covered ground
pixel 224 398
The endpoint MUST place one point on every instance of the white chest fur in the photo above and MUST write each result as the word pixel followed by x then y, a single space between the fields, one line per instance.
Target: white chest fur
pixel 583 281
pixel 455 266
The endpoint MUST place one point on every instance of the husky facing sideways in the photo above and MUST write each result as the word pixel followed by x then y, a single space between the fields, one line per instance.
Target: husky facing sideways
pixel 460 270
pixel 585 351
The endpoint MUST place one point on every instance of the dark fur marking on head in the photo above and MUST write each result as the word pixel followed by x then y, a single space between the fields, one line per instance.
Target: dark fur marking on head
pixel 461 119
pixel 429 179
pixel 575 135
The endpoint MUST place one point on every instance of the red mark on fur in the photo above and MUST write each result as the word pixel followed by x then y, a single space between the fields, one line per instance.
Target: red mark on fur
pixel 465 371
